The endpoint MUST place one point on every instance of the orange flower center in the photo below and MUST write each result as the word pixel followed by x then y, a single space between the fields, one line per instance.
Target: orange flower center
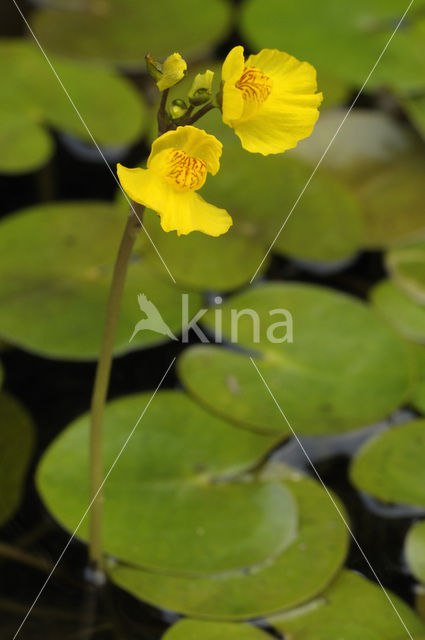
pixel 255 85
pixel 184 172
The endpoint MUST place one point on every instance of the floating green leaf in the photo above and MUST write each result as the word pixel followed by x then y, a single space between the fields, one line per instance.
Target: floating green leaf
pixel 406 316
pixel 366 141
pixel 16 443
pixel 204 630
pixel 201 262
pixel 382 163
pixel 351 608
pixel 407 266
pixel 393 202
pixel 341 351
pixel 169 501
pixel 342 41
pixel 390 465
pixel 56 264
pixel 296 575
pixel 123 31
pixel 25 145
pixel 415 550
pixel 32 98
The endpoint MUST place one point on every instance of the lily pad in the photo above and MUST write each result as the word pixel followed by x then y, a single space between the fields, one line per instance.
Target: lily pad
pixel 296 575
pixel 171 497
pixel 25 145
pixel 122 31
pixel 32 99
pixel 204 263
pixel 415 550
pixel 401 312
pixel 393 201
pixel 381 162
pixel 56 264
pixel 16 444
pixel 407 266
pixel 341 351
pixel 367 140
pixel 204 630
pixel 390 466
pixel 342 41
pixel 352 607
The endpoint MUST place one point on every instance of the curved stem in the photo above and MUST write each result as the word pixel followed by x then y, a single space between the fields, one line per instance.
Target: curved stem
pixel 101 384
pixel 201 112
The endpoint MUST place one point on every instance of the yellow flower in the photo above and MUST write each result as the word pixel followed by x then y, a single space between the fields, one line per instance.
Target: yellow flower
pixel 270 100
pixel 177 167
pixel 173 70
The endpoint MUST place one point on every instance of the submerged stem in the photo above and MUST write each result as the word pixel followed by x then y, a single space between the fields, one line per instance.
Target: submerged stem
pixel 101 384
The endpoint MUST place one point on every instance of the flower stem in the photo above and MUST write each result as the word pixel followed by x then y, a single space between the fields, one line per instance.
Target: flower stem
pixel 201 112
pixel 163 119
pixel 101 384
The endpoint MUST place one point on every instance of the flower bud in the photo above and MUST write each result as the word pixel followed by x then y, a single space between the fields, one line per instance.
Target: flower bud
pixel 177 109
pixel 200 91
pixel 154 67
pixel 173 70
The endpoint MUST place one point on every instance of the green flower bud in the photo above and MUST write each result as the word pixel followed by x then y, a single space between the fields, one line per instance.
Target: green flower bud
pixel 200 91
pixel 178 108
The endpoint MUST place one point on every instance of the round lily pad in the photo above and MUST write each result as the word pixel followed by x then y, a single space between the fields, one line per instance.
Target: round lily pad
pixel 390 466
pixel 123 31
pixel 205 630
pixel 56 265
pixel 201 262
pixel 367 140
pixel 25 145
pixel 174 491
pixel 296 575
pixel 380 160
pixel 340 351
pixel 342 41
pixel 400 311
pixel 16 444
pixel 407 266
pixel 393 202
pixel 32 98
pixel 415 550
pixel 352 607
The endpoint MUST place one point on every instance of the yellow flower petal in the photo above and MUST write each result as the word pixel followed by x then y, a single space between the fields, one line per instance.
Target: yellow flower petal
pixel 280 101
pixel 173 70
pixel 233 103
pixel 143 186
pixel 181 210
pixel 187 212
pixel 195 142
pixel 233 65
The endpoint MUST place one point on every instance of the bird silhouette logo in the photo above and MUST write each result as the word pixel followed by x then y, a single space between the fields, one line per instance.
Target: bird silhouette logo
pixel 153 320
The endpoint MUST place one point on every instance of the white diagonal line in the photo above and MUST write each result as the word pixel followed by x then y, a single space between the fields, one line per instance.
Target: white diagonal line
pixel 92 138
pixel 313 173
pixel 331 498
pixel 130 435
